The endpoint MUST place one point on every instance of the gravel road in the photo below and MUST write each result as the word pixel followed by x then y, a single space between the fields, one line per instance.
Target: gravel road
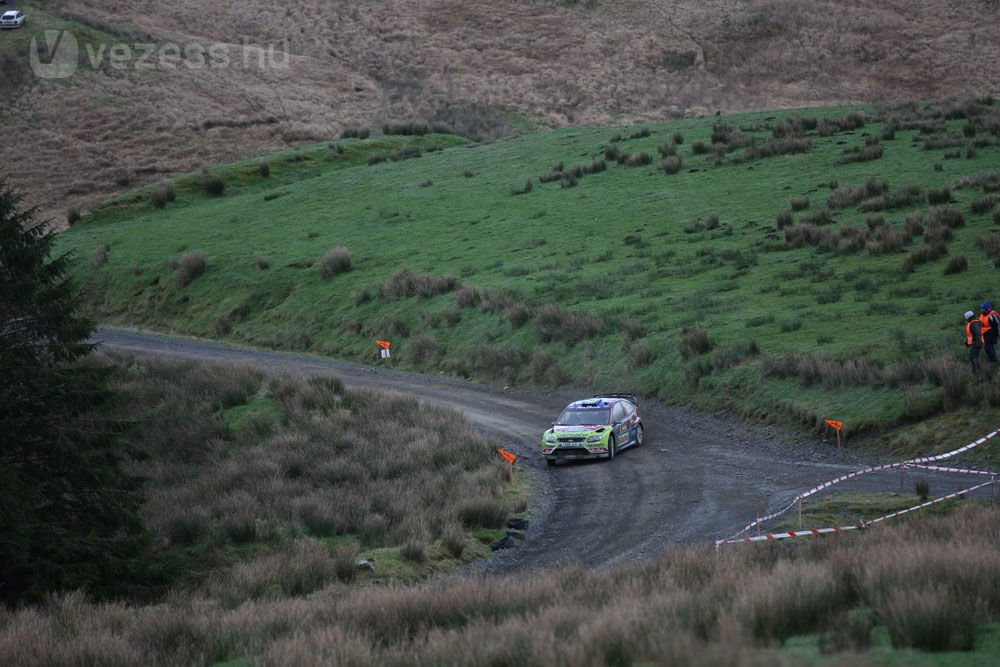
pixel 698 477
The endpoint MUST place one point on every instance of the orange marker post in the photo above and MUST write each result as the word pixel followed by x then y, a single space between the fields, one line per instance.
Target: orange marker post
pixel 837 426
pixel 385 345
pixel 510 461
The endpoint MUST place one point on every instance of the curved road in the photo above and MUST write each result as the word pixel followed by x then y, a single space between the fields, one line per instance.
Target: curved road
pixel 697 477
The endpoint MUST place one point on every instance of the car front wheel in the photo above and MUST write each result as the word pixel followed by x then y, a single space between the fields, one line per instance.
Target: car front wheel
pixel 611 447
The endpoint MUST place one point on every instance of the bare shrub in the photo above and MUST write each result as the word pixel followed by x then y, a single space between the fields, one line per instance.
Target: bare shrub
pixel 191 266
pixel 214 185
pixel 559 324
pixel 694 342
pixel 100 255
pixel 336 261
pixel 405 283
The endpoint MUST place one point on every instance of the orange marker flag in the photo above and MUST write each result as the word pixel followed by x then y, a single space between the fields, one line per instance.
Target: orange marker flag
pixel 507 455
pixel 835 424
pixel 384 344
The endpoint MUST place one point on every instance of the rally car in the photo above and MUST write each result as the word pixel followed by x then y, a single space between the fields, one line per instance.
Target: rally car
pixel 594 428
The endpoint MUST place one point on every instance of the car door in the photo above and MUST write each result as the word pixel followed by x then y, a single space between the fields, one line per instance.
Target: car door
pixel 621 425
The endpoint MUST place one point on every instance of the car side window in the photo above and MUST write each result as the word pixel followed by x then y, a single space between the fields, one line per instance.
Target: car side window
pixel 619 413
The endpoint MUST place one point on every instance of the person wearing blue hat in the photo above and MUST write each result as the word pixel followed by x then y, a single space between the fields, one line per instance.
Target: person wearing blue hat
pixel 973 338
pixel 991 331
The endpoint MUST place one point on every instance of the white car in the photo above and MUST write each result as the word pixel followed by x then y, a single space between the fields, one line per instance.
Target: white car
pixel 12 19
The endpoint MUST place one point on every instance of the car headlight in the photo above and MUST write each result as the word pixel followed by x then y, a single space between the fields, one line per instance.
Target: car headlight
pixel 595 438
pixel 550 437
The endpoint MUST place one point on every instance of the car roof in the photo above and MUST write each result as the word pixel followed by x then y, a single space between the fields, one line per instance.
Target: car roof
pixel 12 12
pixel 591 403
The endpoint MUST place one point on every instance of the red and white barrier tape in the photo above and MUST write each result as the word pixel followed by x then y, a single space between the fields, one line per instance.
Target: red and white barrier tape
pixel 866 471
pixel 962 471
pixel 840 529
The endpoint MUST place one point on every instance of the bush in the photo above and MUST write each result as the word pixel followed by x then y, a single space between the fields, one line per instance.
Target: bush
pixel 191 266
pixel 453 539
pixel 214 185
pixel 666 150
pixel 518 314
pixel 264 169
pixel 405 152
pixel 922 488
pixel 640 159
pixel 73 216
pixel 799 203
pixel 848 196
pixel 336 260
pixel 100 255
pixel 699 147
pixel 863 153
pixel 528 186
pixel 990 243
pixel 784 219
pixel 948 217
pixel 355 133
pixel 922 254
pixel 376 158
pixel 414 550
pixel 677 138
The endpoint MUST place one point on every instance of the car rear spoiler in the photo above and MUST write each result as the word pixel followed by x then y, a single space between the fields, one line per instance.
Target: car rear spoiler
pixel 628 397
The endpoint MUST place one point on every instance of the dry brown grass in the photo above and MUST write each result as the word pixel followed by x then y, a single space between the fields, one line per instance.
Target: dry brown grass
pixel 930 582
pixel 377 63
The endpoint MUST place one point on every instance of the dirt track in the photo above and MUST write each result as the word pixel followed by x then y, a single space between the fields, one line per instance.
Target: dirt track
pixel 697 477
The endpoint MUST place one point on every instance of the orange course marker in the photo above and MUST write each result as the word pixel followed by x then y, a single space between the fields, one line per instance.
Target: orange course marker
pixel 835 424
pixel 384 344
pixel 507 455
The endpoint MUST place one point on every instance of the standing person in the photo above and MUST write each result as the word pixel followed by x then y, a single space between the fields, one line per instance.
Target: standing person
pixel 991 331
pixel 973 338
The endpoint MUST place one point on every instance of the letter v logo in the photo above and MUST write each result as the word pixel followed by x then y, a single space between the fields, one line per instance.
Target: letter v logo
pixel 62 55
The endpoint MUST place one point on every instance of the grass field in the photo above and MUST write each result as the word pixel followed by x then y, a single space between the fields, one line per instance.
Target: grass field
pixel 702 285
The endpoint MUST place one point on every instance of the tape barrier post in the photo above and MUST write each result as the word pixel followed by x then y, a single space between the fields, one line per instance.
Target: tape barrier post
pixel 510 462
pixel 858 526
pixel 865 471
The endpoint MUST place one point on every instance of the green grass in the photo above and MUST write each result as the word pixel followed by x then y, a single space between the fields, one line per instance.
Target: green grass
pixel 623 243
pixel 841 509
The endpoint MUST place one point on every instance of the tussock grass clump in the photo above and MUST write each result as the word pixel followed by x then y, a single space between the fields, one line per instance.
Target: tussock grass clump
pixel 908 195
pixel 799 203
pixel 214 185
pixel 947 217
pixel 809 234
pixel 355 133
pixel 405 152
pixel 784 219
pixel 854 120
pixel 406 129
pixel 985 204
pixel 524 189
pixel 936 196
pixel 990 244
pixel 922 254
pixel 677 138
pixel 775 147
pixel 376 158
pixel 849 196
pixel 666 150
pixel 694 342
pixel 988 181
pixel 73 216
pixel 336 261
pixel 640 159
pixel 191 266
pixel 467 297
pixel 100 255
pixel 405 283
pixel 641 133
pixel 672 164
pixel 163 195
pixel 553 323
pixel 264 169
pixel 865 153
pixel 699 147
pixel 553 174
pixel 518 314
pixel 641 354
pixel 956 264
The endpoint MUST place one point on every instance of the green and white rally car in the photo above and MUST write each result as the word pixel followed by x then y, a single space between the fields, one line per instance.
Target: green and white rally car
pixel 594 428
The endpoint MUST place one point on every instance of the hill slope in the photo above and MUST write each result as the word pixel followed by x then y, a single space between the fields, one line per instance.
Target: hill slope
pixel 487 69
pixel 698 285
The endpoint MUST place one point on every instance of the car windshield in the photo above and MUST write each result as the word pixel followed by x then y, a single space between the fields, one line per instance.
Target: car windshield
pixel 579 416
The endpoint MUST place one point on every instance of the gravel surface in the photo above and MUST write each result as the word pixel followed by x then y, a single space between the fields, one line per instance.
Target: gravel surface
pixel 698 477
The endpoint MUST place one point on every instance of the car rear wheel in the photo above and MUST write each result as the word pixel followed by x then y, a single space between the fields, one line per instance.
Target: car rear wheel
pixel 639 435
pixel 611 447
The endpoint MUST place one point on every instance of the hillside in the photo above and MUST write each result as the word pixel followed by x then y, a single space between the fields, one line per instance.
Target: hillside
pixel 486 69
pixel 785 266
